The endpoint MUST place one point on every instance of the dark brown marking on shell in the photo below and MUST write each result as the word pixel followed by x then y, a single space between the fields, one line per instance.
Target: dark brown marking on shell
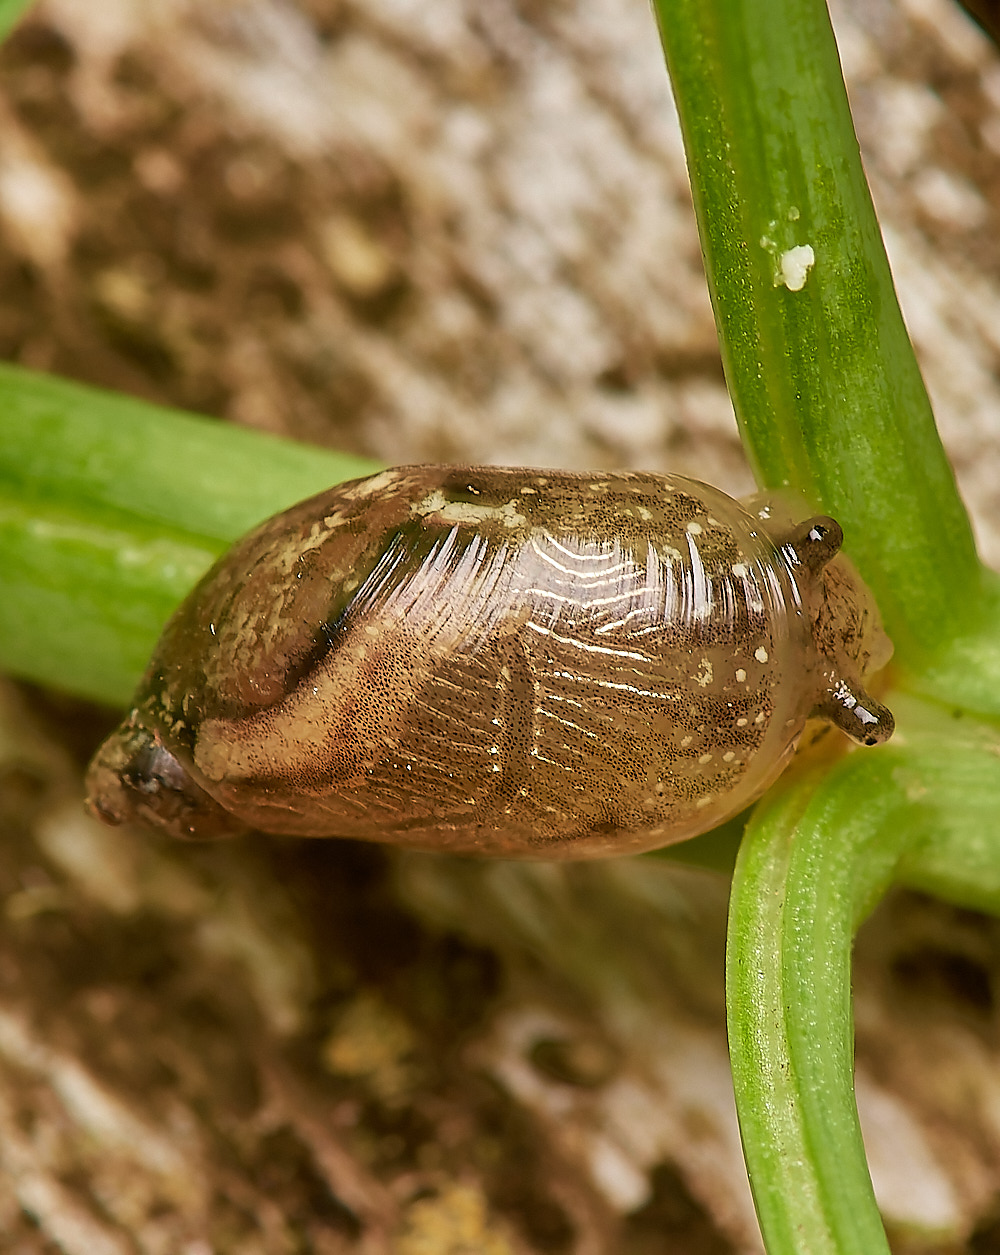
pixel 513 662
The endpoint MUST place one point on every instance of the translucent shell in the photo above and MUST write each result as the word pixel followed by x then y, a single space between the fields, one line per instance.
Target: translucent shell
pixel 510 662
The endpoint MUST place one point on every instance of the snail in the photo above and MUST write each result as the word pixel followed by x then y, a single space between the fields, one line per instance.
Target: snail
pixel 512 662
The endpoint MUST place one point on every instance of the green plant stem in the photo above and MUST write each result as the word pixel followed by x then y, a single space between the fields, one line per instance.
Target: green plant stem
pixel 952 767
pixel 830 403
pixel 816 858
pixel 824 381
pixel 965 674
pixel 110 510
pixel 810 868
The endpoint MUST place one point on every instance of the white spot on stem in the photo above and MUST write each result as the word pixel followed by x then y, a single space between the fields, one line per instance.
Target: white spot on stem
pixel 795 265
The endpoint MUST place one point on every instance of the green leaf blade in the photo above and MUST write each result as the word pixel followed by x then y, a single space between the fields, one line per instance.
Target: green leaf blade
pixel 64 441
pixel 110 510
pixel 84 595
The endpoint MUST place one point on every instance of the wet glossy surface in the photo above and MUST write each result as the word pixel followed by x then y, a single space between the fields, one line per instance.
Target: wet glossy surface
pixel 504 661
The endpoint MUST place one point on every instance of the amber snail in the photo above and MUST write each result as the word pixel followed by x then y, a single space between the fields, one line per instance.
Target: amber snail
pixel 502 661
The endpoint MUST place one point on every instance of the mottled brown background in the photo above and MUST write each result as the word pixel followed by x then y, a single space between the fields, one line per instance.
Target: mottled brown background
pixel 423 230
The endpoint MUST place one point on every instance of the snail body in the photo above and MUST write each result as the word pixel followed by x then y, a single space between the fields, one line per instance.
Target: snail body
pixel 503 661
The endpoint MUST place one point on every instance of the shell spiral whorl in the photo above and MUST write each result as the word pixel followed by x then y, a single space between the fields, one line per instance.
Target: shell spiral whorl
pixel 511 662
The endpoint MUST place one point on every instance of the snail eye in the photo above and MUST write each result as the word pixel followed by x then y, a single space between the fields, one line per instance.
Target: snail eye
pixel 815 542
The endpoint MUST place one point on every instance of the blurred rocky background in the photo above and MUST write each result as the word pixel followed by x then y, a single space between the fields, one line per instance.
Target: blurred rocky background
pixel 438 230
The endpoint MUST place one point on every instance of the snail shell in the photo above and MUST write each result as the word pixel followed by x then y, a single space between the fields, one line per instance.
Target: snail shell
pixel 510 662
